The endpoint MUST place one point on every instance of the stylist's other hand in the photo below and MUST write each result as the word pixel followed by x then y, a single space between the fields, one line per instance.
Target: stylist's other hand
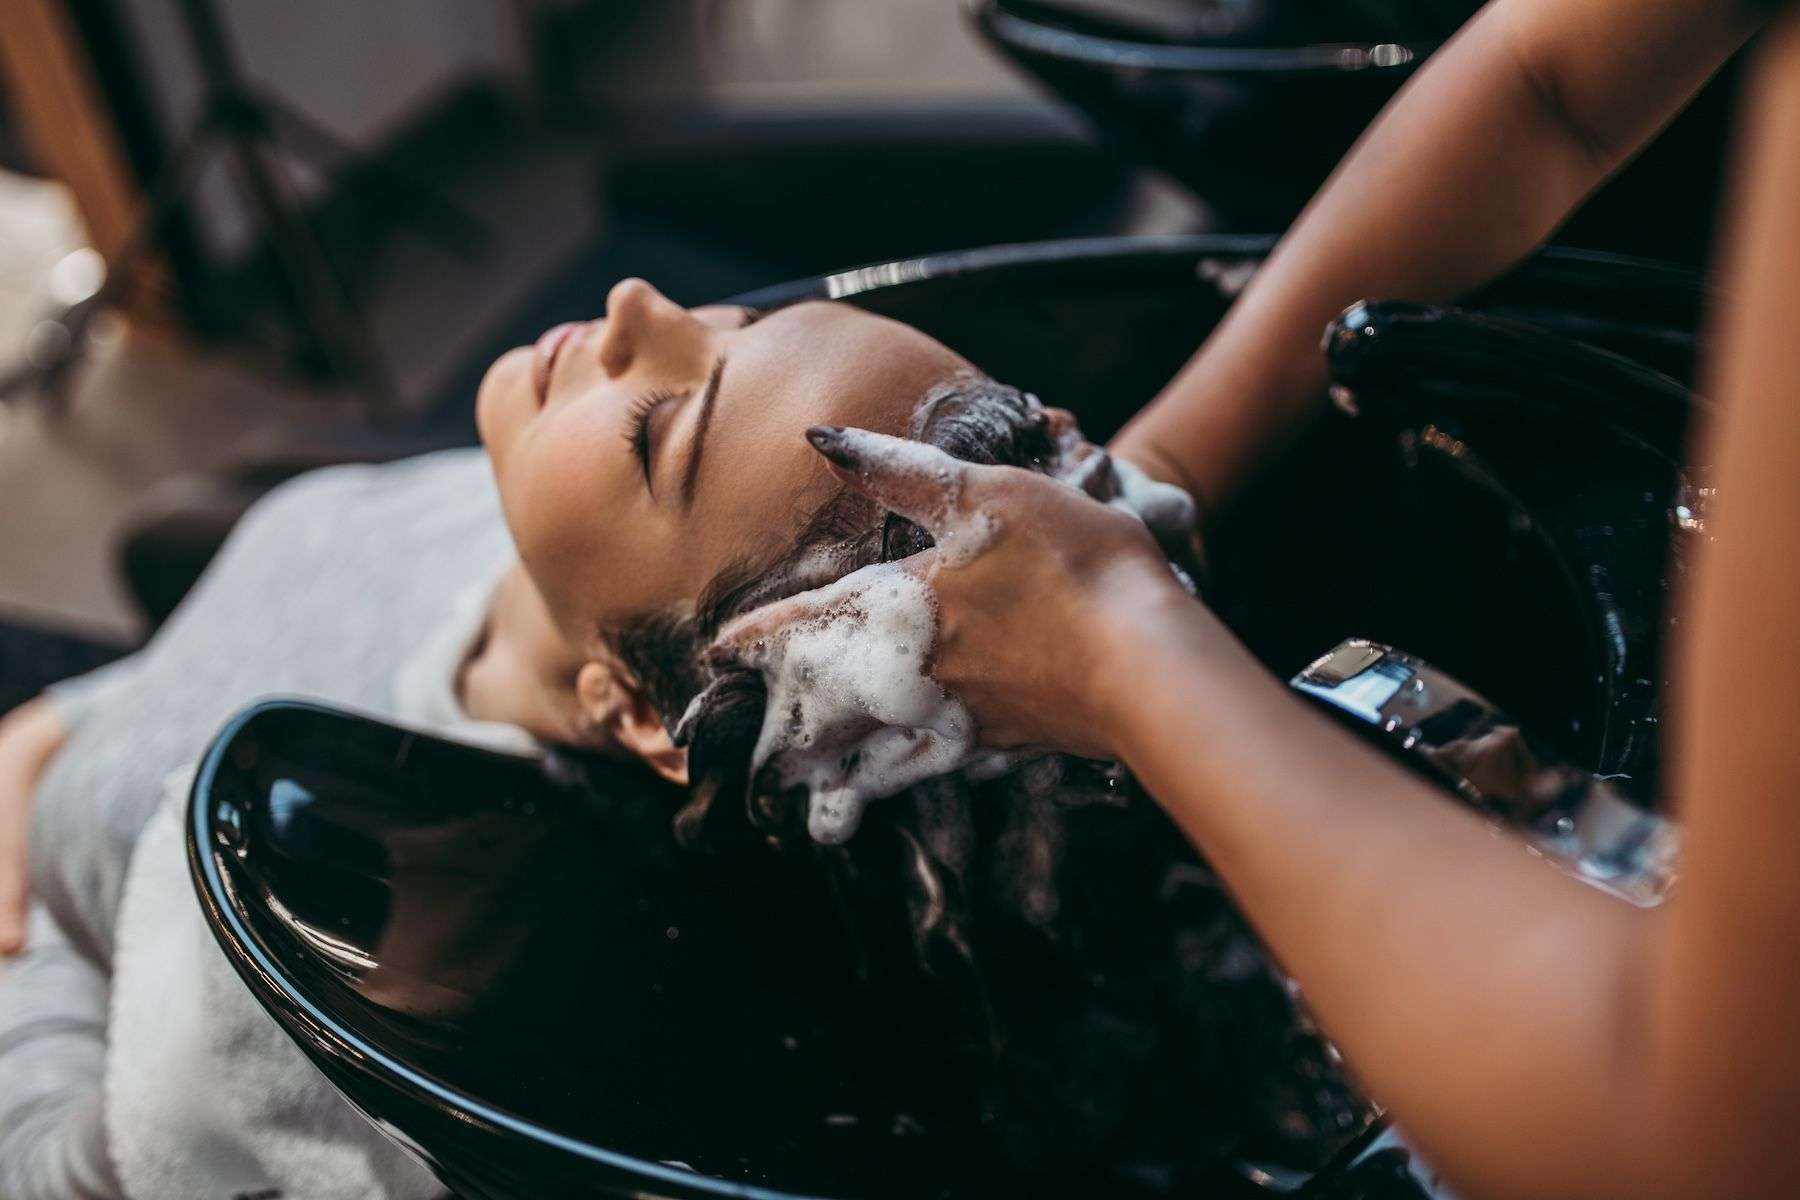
pixel 30 736
pixel 1031 578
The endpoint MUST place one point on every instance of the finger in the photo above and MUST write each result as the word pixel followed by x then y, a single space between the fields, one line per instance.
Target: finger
pixel 917 481
pixel 745 639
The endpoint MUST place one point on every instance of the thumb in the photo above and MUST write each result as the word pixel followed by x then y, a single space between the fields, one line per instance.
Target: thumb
pixel 749 640
pixel 745 640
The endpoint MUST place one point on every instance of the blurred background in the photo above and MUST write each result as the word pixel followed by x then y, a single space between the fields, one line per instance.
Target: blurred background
pixel 241 238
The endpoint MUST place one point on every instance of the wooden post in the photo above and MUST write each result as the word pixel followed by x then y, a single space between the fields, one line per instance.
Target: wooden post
pixel 52 92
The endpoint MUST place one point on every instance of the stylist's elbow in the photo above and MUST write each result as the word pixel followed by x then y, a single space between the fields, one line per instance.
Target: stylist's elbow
pixel 1606 75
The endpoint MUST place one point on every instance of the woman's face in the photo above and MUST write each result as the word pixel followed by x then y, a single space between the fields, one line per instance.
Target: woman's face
pixel 639 455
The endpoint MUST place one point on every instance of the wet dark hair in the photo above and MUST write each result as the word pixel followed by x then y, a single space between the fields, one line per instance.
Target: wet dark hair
pixel 1055 934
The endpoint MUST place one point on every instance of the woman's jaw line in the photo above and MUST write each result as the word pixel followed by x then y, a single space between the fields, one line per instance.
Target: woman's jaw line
pixel 537 665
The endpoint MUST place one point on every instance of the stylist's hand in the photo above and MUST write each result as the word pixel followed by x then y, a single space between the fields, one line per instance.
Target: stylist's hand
pixel 30 736
pixel 1032 579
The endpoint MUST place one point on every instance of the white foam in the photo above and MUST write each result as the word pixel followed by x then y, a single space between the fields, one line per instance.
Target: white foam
pixel 1167 510
pixel 853 715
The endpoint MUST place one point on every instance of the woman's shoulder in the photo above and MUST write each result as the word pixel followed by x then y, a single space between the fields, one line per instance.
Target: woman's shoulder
pixel 445 486
pixel 346 518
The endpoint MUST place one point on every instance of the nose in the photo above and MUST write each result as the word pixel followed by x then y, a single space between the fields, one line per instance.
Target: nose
pixel 640 319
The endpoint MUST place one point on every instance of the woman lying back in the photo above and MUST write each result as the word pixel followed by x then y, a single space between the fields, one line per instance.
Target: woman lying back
pixel 1080 976
pixel 1089 980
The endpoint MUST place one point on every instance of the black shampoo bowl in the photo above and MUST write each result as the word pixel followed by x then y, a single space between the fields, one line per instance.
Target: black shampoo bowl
pixel 1251 103
pixel 509 967
pixel 1204 91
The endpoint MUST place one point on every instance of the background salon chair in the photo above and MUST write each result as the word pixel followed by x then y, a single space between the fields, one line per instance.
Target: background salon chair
pixel 508 965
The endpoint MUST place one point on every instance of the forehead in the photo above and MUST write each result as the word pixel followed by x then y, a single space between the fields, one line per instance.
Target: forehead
pixel 816 364
pixel 828 357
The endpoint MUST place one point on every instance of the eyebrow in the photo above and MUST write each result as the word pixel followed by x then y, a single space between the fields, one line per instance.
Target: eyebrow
pixel 709 396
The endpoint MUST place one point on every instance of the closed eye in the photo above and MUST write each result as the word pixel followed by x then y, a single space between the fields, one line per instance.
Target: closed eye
pixel 637 427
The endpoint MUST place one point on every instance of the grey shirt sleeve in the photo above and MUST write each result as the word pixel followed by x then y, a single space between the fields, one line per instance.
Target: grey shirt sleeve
pixel 65 823
pixel 75 699
pixel 52 1058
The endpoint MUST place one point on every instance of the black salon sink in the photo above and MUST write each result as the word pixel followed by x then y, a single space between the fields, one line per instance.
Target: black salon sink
pixel 1251 103
pixel 516 968
pixel 510 966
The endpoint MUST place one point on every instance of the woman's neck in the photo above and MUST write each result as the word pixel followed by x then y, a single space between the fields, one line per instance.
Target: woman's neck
pixel 521 671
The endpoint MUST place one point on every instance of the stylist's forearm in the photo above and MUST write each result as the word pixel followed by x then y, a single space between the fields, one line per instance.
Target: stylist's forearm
pixel 1475 164
pixel 1415 930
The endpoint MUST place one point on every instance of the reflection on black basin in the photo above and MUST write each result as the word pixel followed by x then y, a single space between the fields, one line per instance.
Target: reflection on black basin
pixel 510 967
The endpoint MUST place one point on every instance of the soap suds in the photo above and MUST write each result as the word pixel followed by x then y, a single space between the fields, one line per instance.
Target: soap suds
pixel 853 714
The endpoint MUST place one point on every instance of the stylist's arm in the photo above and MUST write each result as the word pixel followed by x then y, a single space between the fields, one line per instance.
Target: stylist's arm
pixel 1473 166
pixel 1534 1036
pixel 1490 1001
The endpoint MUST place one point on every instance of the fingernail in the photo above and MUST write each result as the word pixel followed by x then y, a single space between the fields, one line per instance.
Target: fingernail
pixel 829 441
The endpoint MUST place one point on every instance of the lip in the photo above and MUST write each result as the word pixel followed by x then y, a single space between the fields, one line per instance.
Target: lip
pixel 544 358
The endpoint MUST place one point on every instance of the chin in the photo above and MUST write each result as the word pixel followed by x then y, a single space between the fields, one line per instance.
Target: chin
pixel 504 397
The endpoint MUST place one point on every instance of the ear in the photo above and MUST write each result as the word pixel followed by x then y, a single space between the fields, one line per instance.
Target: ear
pixel 614 709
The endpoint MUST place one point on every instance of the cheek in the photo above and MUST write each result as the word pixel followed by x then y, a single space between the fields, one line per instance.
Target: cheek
pixel 567 501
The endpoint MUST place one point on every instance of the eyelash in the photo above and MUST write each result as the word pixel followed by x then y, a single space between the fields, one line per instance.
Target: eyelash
pixel 637 422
